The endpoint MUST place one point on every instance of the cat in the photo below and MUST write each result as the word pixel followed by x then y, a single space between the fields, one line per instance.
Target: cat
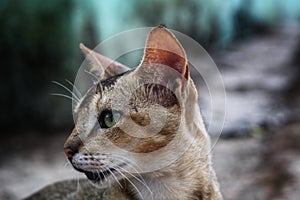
pixel 139 132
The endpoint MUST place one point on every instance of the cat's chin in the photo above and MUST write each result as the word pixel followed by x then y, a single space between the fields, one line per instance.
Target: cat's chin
pixel 99 184
pixel 100 179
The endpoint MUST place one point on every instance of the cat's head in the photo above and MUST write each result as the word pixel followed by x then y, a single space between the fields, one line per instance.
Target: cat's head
pixel 129 117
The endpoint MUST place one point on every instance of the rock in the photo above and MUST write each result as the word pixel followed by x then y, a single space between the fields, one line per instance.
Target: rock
pixel 76 190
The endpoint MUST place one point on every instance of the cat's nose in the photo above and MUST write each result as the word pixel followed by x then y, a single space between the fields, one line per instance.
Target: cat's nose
pixel 70 152
pixel 72 147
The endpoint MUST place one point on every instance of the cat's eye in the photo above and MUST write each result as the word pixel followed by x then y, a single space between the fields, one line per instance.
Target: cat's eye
pixel 108 118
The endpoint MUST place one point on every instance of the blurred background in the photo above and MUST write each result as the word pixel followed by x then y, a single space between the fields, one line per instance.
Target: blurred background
pixel 255 44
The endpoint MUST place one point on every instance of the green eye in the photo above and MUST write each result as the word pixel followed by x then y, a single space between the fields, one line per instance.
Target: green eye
pixel 108 118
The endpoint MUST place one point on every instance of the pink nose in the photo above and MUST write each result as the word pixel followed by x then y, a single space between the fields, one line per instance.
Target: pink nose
pixel 72 146
pixel 69 152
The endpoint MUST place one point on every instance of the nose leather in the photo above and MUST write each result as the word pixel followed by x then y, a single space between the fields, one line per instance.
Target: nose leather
pixel 71 147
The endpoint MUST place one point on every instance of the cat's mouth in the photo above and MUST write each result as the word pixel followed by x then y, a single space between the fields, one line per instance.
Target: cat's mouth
pixel 97 177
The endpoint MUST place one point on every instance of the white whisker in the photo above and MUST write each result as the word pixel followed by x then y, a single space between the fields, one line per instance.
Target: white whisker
pixel 136 178
pixel 135 187
pixel 75 88
pixel 115 177
pixel 67 89
pixel 100 176
pixel 130 164
pixel 66 164
pixel 63 95
pixel 104 176
pixel 107 179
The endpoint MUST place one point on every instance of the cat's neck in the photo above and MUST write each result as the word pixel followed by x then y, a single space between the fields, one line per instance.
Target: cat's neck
pixel 189 177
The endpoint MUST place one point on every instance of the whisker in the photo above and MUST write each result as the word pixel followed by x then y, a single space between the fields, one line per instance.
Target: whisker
pixel 66 164
pixel 114 177
pixel 106 179
pixel 136 178
pixel 63 95
pixel 100 179
pixel 67 89
pixel 130 164
pixel 75 88
pixel 135 187
pixel 104 169
pixel 104 176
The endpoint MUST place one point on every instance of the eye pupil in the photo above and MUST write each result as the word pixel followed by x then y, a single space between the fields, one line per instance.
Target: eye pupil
pixel 108 119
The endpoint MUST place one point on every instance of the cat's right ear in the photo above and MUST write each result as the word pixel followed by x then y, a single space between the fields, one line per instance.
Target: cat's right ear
pixel 103 67
pixel 164 54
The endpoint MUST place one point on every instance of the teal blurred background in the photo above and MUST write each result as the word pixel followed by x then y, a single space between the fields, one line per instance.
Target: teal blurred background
pixel 255 44
pixel 39 42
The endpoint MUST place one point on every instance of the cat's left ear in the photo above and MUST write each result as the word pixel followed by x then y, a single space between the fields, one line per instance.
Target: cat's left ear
pixel 106 67
pixel 163 49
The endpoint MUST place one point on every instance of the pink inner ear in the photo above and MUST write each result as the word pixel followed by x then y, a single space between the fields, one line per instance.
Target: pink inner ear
pixel 162 47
